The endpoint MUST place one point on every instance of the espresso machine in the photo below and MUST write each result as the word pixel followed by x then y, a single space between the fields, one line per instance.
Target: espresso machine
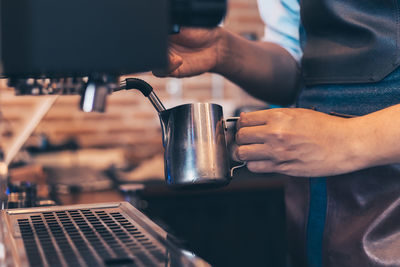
pixel 83 46
pixel 62 47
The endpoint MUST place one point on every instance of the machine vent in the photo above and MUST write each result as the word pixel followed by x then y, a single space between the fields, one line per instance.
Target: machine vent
pixel 87 237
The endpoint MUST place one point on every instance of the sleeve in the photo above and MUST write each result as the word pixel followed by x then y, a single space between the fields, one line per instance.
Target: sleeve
pixel 282 20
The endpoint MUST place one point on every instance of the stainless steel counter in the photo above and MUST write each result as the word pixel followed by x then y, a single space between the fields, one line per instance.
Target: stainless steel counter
pixel 108 234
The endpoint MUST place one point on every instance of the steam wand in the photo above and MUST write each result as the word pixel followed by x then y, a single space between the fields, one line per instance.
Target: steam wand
pixel 145 88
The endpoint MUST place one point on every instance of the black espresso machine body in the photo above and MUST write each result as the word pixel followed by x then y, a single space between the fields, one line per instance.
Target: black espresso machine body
pixel 68 38
pixel 68 46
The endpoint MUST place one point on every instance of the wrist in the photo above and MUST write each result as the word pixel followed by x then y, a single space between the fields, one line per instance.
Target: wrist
pixel 347 147
pixel 375 138
pixel 363 144
pixel 226 61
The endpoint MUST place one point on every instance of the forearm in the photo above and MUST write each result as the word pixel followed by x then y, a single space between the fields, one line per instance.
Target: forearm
pixel 265 70
pixel 376 137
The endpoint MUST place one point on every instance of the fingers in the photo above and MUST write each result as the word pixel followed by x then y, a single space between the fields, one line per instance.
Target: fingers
pixel 267 166
pixel 252 152
pixel 262 166
pixel 187 65
pixel 264 158
pixel 195 37
pixel 255 118
pixel 175 61
pixel 251 135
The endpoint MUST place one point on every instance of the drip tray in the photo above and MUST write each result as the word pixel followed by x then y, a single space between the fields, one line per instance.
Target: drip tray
pixel 110 234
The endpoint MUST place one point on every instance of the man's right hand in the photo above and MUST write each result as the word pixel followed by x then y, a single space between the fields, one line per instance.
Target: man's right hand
pixel 265 70
pixel 193 52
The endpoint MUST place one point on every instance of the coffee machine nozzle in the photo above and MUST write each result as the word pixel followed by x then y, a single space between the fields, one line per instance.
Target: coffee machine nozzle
pixel 95 92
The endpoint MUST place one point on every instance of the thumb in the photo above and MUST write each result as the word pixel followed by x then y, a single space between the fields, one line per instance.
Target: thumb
pixel 174 62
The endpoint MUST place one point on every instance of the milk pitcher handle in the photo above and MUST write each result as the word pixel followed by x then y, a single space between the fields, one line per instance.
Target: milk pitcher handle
pixel 244 163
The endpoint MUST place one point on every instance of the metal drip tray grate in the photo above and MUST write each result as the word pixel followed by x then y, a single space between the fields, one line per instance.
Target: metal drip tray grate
pixel 113 234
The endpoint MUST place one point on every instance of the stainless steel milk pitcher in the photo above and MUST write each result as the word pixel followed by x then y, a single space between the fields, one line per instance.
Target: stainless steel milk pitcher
pixel 196 152
pixel 195 145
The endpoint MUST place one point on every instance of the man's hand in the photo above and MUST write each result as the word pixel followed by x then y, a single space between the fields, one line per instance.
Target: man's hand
pixel 254 66
pixel 193 52
pixel 297 142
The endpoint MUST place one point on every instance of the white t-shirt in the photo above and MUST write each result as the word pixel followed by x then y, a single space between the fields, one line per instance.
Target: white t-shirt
pixel 282 19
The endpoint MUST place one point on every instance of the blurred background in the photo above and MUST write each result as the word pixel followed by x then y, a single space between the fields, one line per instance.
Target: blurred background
pixel 76 157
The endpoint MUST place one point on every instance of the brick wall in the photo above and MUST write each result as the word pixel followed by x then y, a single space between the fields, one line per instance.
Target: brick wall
pixel 130 120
